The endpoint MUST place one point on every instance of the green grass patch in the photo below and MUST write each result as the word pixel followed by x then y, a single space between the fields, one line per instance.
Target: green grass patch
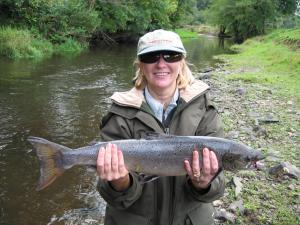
pixel 269 60
pixel 18 43
pixel 70 47
pixel 185 33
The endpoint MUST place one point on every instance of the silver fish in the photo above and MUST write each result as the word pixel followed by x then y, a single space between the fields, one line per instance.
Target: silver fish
pixel 158 155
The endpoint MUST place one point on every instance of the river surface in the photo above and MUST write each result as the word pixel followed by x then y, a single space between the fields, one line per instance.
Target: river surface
pixel 63 99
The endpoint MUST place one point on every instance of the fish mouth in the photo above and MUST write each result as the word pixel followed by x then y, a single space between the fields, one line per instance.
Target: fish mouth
pixel 252 165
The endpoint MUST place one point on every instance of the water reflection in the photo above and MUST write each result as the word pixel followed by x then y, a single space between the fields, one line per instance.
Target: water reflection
pixel 63 99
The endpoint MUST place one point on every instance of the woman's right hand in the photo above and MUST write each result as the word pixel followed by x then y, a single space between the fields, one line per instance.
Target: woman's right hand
pixel 111 167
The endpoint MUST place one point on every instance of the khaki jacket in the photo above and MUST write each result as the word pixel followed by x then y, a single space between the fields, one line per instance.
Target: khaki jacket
pixel 167 200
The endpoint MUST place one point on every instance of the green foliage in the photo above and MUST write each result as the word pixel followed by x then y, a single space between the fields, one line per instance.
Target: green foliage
pixel 183 33
pixel 137 16
pixel 16 44
pixel 286 7
pixel 56 20
pixel 247 18
pixel 69 47
pixel 273 59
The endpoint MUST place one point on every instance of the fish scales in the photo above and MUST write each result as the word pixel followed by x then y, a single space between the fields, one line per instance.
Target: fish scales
pixel 161 156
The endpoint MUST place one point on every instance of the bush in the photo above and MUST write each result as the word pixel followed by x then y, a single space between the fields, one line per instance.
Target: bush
pixel 70 47
pixel 20 43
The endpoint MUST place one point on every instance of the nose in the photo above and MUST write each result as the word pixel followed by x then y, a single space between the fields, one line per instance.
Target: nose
pixel 161 62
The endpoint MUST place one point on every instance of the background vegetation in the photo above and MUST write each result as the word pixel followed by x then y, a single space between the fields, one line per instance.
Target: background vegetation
pixel 79 23
pixel 272 59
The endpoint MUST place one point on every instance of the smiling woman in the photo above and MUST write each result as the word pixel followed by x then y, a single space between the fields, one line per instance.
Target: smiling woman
pixel 166 99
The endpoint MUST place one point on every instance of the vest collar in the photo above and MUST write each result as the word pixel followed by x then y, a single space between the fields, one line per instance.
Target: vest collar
pixel 135 98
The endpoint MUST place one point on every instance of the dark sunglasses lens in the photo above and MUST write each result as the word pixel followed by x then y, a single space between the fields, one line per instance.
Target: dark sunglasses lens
pixel 151 57
pixel 171 57
pixel 168 56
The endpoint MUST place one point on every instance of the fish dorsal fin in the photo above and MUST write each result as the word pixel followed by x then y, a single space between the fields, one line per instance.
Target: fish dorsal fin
pixel 154 136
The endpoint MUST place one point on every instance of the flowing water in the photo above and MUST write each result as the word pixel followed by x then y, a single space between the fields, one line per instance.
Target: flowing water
pixel 63 99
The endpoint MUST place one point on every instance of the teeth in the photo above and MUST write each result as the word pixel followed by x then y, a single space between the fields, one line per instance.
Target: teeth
pixel 161 74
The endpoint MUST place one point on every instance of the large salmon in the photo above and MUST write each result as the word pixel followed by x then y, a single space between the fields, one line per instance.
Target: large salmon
pixel 156 155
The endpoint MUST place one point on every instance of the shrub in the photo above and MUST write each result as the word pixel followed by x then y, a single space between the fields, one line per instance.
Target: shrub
pixel 19 43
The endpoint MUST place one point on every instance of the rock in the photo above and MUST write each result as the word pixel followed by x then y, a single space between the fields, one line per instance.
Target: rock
pixel 233 134
pixel 237 206
pixel 254 114
pixel 285 169
pixel 269 118
pixel 241 91
pixel 292 187
pixel 238 185
pixel 217 203
pixel 224 216
pixel 206 70
pixel 260 131
pixel 260 166
pixel 204 76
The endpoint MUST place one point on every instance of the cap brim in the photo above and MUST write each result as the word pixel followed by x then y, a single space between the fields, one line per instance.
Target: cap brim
pixel 161 48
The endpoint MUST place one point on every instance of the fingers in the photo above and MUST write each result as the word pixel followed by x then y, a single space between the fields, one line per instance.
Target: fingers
pixel 122 169
pixel 110 163
pixel 114 163
pixel 107 159
pixel 206 162
pixel 202 174
pixel 188 168
pixel 214 165
pixel 196 164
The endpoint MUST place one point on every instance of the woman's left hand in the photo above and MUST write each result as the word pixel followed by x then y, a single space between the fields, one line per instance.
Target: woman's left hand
pixel 202 175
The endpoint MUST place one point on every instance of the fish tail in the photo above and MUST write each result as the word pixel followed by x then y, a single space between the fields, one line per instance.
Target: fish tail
pixel 51 160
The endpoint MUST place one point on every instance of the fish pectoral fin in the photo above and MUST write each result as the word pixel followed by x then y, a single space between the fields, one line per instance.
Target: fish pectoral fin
pixel 154 136
pixel 143 178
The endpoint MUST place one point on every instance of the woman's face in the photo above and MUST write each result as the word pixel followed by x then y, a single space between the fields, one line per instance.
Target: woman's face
pixel 161 75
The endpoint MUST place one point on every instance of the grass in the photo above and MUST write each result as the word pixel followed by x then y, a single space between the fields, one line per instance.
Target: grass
pixel 273 59
pixel 17 43
pixel 20 43
pixel 70 47
pixel 268 67
pixel 185 33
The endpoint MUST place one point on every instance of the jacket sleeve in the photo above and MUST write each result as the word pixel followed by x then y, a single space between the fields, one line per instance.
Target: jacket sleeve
pixel 115 127
pixel 210 125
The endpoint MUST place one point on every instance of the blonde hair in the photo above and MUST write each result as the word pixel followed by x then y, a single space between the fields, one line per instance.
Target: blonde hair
pixel 185 76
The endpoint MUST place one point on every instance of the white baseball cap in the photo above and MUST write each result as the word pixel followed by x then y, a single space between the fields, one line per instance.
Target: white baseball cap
pixel 160 40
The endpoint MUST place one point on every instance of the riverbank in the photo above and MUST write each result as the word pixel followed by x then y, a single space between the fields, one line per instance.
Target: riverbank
pixel 18 43
pixel 273 60
pixel 24 44
pixel 254 114
pixel 259 107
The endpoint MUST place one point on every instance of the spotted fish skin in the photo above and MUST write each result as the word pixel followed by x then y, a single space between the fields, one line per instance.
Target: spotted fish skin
pixel 156 155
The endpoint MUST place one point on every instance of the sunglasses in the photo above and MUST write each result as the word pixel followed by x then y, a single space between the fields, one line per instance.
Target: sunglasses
pixel 168 56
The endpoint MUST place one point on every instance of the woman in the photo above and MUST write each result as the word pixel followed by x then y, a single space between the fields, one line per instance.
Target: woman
pixel 166 99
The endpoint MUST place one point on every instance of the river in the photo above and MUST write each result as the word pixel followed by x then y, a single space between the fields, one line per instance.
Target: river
pixel 63 99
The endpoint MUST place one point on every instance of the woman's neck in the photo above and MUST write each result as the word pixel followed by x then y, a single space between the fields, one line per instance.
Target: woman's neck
pixel 163 96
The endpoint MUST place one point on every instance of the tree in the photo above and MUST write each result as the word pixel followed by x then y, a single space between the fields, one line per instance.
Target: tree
pixel 247 18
